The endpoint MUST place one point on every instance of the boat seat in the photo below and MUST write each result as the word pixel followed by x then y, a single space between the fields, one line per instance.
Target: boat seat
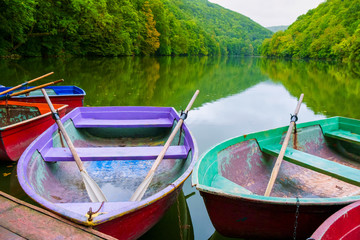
pixel 224 184
pixel 112 120
pixel 114 153
pixel 318 164
pixel 344 135
pixel 128 123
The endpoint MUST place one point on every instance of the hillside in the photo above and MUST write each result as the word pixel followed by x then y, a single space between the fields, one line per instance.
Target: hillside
pixel 125 27
pixel 277 28
pixel 330 31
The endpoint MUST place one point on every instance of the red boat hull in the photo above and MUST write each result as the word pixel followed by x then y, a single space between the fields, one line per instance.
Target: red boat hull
pixel 16 138
pixel 344 225
pixel 251 219
pixel 71 101
pixel 135 224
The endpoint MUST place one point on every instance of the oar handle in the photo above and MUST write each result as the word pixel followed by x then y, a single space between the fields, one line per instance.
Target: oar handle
pixel 93 190
pixel 63 131
pixel 35 88
pixel 140 191
pixel 279 159
pixel 187 109
pixel 25 83
pixel 299 104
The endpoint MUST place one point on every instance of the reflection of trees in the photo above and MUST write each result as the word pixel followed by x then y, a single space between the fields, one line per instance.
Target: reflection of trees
pixel 332 89
pixel 176 221
pixel 162 81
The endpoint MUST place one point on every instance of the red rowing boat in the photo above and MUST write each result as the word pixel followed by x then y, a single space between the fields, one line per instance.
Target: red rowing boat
pixel 20 124
pixel 72 96
pixel 344 225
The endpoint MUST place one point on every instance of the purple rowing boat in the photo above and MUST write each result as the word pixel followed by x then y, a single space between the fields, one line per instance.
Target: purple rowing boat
pixel 118 146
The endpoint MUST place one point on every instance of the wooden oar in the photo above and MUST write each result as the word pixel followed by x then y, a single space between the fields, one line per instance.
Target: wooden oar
pixel 140 191
pixel 25 83
pixel 94 191
pixel 277 165
pixel 32 89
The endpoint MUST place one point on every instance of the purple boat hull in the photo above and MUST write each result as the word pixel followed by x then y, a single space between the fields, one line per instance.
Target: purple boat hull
pixel 118 146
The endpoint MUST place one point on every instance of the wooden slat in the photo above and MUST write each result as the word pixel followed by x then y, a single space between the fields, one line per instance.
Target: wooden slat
pixel 127 123
pixel 114 153
pixel 26 221
pixel 318 164
pixel 7 234
pixel 228 186
pixel 344 135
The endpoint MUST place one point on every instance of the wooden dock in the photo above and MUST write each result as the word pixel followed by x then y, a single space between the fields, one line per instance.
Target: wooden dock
pixel 21 220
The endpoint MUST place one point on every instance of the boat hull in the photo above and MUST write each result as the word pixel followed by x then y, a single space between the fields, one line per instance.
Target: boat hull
pixel 135 224
pixel 344 225
pixel 17 137
pixel 251 219
pixel 118 146
pixel 318 176
pixel 70 95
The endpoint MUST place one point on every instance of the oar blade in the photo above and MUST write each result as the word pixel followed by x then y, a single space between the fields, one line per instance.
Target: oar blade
pixel 140 191
pixel 94 191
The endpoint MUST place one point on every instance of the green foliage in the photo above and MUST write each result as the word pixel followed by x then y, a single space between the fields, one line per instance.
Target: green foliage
pixel 16 21
pixel 142 81
pixel 331 31
pixel 125 27
pixel 326 84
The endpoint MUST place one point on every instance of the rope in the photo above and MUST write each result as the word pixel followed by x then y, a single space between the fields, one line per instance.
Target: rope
pixel 179 217
pixel 90 212
pixel 296 216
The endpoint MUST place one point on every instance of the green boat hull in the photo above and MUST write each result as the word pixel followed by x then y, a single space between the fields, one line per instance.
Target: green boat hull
pixel 318 176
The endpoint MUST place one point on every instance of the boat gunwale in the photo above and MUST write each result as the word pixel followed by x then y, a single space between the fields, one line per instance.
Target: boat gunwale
pixel 321 231
pixel 260 198
pixel 62 106
pixel 82 219
pixel 81 91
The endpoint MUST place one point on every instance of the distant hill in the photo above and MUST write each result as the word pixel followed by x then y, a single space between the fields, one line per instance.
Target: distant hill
pixel 277 28
pixel 330 31
pixel 235 33
pixel 125 27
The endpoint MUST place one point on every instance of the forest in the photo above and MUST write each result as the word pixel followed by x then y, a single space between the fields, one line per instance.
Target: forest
pixel 331 31
pixel 124 28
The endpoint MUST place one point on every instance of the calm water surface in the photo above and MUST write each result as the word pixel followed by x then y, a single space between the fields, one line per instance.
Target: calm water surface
pixel 237 96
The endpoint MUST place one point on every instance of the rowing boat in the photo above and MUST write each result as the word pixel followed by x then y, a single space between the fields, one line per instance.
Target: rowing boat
pixel 344 225
pixel 20 124
pixel 72 96
pixel 319 176
pixel 118 146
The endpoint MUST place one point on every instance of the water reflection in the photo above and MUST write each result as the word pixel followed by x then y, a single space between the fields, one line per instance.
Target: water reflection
pixel 332 89
pixel 237 96
pixel 218 236
pixel 169 81
pixel 176 224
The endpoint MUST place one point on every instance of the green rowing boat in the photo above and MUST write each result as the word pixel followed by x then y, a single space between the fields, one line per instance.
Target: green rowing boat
pixel 319 176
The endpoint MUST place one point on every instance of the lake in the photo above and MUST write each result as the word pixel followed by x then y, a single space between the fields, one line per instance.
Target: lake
pixel 237 96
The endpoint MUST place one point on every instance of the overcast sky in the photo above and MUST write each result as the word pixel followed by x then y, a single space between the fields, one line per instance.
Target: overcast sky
pixel 270 12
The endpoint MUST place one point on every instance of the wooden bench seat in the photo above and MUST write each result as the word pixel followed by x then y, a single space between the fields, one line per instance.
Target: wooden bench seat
pixel 122 120
pixel 114 153
pixel 318 164
pixel 344 135
pixel 90 123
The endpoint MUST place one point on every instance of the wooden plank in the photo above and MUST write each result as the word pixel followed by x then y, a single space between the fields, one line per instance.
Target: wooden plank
pixel 6 234
pixel 318 164
pixel 30 222
pixel 226 185
pixel 344 135
pixel 114 153
pixel 125 123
